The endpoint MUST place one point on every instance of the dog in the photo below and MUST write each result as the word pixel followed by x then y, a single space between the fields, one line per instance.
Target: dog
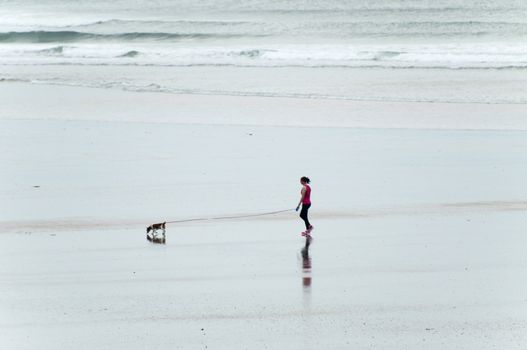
pixel 155 227
pixel 153 236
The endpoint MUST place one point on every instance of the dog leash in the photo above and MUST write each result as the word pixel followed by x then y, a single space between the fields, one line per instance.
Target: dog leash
pixel 230 217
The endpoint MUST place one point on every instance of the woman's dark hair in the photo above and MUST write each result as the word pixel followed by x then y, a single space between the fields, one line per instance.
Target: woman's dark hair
pixel 305 179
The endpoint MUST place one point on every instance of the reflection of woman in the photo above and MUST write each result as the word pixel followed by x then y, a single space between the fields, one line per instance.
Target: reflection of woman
pixel 305 201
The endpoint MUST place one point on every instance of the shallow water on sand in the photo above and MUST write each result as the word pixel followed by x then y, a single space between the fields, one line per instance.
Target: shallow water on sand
pixel 437 280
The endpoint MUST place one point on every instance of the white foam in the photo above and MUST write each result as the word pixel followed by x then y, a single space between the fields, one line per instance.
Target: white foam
pixel 503 55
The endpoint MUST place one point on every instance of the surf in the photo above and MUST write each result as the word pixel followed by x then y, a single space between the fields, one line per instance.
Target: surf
pixel 68 36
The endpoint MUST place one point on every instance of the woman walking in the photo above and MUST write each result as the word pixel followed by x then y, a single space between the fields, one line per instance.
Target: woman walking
pixel 305 201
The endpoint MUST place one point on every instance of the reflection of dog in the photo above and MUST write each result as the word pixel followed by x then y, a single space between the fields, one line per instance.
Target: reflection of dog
pixel 153 236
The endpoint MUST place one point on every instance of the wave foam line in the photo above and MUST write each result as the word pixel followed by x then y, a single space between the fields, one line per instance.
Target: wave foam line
pixel 156 88
pixel 256 64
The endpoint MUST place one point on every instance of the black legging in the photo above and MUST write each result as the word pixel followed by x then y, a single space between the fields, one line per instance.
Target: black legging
pixel 303 214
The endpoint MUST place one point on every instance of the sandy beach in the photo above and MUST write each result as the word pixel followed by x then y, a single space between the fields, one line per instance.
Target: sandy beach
pixel 409 117
pixel 419 222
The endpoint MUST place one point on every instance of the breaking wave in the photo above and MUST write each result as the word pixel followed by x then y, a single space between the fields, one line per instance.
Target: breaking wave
pixel 450 56
pixel 53 51
pixel 42 36
pixel 132 53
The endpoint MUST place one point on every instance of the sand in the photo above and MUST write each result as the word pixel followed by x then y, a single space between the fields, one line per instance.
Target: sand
pixel 419 222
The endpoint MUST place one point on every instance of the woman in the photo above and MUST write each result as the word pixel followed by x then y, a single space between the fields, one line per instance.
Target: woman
pixel 305 201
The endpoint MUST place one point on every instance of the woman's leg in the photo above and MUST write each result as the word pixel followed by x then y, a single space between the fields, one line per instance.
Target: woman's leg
pixel 303 214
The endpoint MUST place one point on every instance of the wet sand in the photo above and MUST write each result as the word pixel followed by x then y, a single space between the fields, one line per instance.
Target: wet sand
pixel 435 281
pixel 419 233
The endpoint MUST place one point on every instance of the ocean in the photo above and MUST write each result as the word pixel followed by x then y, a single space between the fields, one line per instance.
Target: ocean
pixel 423 51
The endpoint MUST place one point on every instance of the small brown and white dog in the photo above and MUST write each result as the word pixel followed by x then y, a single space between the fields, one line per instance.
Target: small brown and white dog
pixel 153 236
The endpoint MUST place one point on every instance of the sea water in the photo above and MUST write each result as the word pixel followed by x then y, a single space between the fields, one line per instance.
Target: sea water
pixel 441 51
